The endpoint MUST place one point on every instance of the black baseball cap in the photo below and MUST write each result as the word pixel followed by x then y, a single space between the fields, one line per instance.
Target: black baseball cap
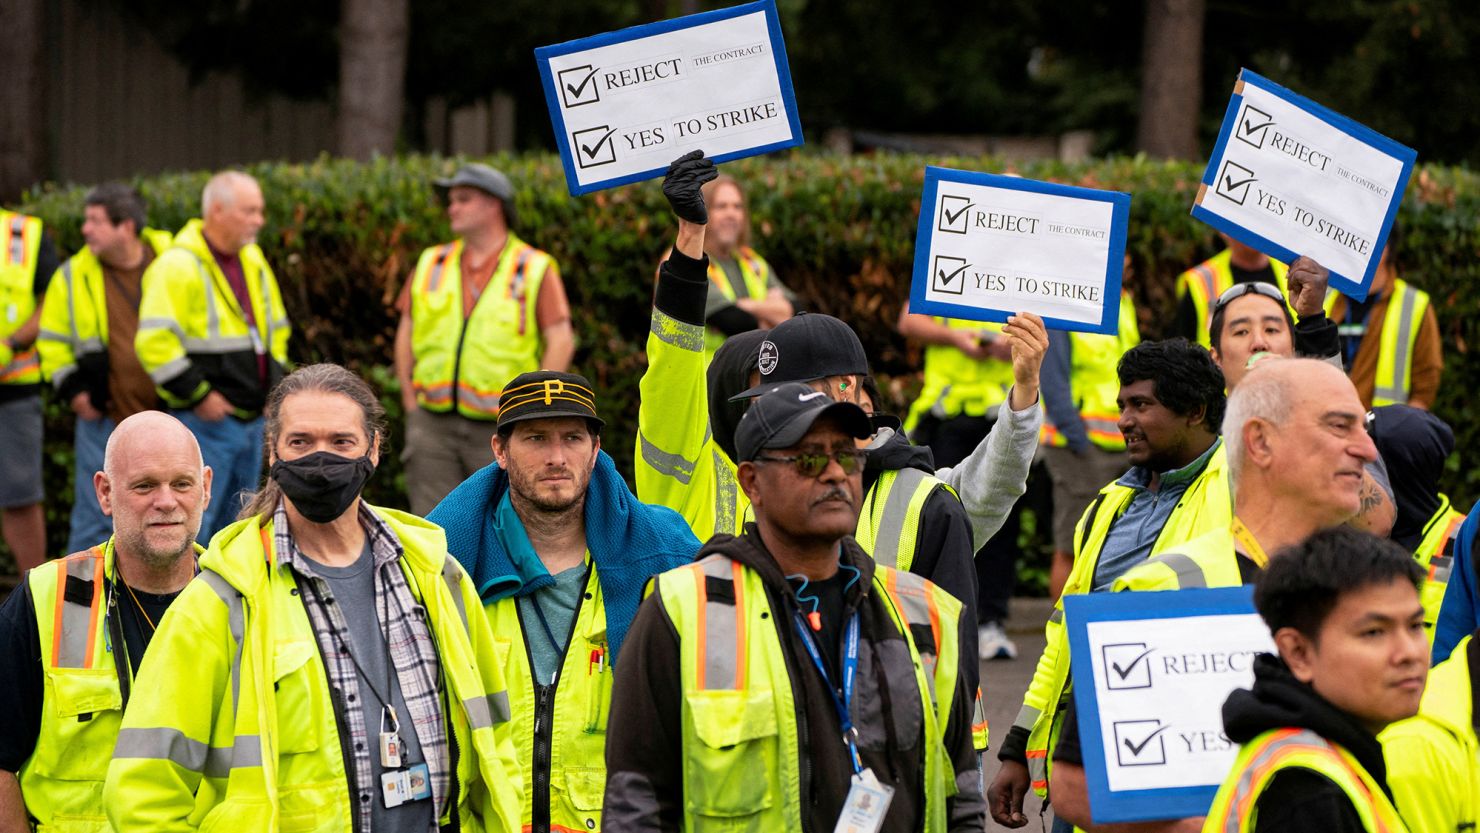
pixel 783 414
pixel 544 394
pixel 805 347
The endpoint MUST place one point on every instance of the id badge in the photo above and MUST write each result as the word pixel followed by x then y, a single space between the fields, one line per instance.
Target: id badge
pixel 420 782
pixel 390 750
pixel 868 801
pixel 395 788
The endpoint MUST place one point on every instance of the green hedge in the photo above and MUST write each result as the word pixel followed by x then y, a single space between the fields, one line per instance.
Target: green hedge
pixel 840 231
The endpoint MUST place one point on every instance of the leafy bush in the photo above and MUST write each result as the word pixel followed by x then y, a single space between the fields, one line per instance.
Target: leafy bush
pixel 840 231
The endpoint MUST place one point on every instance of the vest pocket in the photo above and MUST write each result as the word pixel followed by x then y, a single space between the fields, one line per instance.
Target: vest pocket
pixel 85 706
pixel 76 692
pixel 300 690
pixel 729 772
pixel 586 786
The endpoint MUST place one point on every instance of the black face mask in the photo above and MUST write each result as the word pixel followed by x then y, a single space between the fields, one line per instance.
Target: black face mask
pixel 322 484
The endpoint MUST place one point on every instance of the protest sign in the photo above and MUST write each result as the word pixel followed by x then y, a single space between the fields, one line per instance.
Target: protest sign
pixel 625 104
pixel 1290 177
pixel 989 246
pixel 1151 672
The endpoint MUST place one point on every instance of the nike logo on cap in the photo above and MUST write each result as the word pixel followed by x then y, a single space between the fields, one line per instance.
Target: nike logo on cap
pixel 807 397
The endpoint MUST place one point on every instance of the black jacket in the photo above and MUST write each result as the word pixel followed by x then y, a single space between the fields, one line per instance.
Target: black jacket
pixel 644 749
pixel 1298 799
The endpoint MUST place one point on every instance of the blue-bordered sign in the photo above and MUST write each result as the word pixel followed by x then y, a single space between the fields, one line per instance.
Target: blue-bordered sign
pixel 1151 672
pixel 990 245
pixel 1290 177
pixel 625 104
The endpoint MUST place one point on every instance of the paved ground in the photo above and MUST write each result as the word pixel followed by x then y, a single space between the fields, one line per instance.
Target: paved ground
pixel 1003 684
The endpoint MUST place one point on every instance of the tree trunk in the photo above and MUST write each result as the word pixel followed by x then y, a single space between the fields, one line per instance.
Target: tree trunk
pixel 1171 78
pixel 373 40
pixel 23 127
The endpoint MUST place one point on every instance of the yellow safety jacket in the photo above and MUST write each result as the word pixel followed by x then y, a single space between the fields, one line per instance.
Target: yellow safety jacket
pixel 193 334
pixel 62 781
pixel 20 244
pixel 1435 555
pixel 1094 382
pixel 741 749
pixel 1235 807
pixel 757 275
pixel 1400 326
pixel 240 732
pixel 563 761
pixel 74 315
pixel 1433 759
pixel 1211 278
pixel 1205 506
pixel 957 384
pixel 1209 560
pixel 463 363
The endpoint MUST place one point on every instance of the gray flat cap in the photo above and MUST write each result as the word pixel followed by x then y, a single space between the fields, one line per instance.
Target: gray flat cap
pixel 489 180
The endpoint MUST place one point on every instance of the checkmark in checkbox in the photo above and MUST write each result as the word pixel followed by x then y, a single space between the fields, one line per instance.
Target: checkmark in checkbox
pixel 948 275
pixel 1233 182
pixel 578 86
pixel 1127 665
pixel 594 146
pixel 1253 126
pixel 1139 742
pixel 954 213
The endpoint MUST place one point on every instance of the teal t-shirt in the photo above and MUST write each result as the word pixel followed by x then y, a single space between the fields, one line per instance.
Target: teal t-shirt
pixel 553 606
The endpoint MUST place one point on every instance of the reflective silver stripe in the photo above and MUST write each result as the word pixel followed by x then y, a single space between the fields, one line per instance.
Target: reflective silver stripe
pixel 722 663
pixel 169 370
pixel 18 239
pixel 676 466
pixel 213 318
pixel 1251 769
pixel 236 619
pixel 910 591
pixel 670 330
pixel 484 712
pixel 1027 717
pixel 220 344
pixel 266 291
pixel 726 490
pixel 169 324
pixel 71 304
pixel 60 375
pixel 452 574
pixel 434 280
pixel 1394 389
pixel 891 521
pixel 76 632
pixel 484 402
pixel 1188 573
pixel 1057 616
pixel 167 744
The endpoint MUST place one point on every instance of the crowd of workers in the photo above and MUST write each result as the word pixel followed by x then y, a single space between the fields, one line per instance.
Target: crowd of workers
pixel 780 629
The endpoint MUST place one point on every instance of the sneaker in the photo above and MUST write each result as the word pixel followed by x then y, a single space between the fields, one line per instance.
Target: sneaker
pixel 992 642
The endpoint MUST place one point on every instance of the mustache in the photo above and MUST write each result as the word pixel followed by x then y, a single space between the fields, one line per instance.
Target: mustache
pixel 835 493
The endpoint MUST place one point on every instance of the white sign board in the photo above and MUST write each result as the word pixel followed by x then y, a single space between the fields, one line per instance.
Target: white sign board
pixel 1151 672
pixel 989 246
pixel 1290 177
pixel 625 104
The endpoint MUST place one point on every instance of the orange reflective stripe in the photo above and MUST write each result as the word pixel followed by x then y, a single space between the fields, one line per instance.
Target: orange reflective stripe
pixel 702 626
pixel 741 662
pixel 434 281
pixel 1041 784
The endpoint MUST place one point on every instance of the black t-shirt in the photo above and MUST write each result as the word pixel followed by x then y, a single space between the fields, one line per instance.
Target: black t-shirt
pixel 830 603
pixel 22 692
pixel 1185 323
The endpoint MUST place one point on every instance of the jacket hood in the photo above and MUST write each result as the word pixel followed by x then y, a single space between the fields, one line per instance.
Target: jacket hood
pixel 1278 701
pixel 237 552
pixel 891 451
pixel 750 550
pixel 729 373
pixel 1414 444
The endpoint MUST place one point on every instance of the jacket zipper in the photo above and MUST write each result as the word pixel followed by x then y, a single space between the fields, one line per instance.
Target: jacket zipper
pixel 544 717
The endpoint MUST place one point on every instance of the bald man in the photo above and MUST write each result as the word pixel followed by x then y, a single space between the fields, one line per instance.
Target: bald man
pixel 213 335
pixel 65 685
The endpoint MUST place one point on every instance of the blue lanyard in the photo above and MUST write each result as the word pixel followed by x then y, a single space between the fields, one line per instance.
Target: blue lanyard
pixel 850 671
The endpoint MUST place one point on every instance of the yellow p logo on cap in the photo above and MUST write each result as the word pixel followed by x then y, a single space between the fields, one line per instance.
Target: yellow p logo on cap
pixel 553 387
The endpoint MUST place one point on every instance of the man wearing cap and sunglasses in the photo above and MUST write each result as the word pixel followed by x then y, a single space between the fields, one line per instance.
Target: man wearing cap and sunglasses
pixel 560 550
pixel 813 686
pixel 476 312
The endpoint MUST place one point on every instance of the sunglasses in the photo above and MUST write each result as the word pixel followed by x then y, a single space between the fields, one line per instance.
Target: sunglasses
pixel 1239 290
pixel 813 465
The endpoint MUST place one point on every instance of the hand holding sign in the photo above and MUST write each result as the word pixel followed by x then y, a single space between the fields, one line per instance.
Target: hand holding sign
pixel 1307 282
pixel 683 186
pixel 1029 342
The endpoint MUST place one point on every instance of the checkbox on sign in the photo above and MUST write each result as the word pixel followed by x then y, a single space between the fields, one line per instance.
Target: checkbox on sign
pixel 1253 126
pixel 594 146
pixel 1234 181
pixel 1139 742
pixel 1127 665
pixel 948 275
pixel 953 213
pixel 578 86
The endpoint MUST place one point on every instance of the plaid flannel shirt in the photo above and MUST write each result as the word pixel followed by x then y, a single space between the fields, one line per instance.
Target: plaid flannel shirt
pixel 413 653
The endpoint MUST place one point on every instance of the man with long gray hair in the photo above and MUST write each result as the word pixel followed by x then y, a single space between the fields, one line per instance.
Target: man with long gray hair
pixel 213 335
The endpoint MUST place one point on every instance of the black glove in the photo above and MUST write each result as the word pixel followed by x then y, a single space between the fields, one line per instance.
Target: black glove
pixel 681 186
